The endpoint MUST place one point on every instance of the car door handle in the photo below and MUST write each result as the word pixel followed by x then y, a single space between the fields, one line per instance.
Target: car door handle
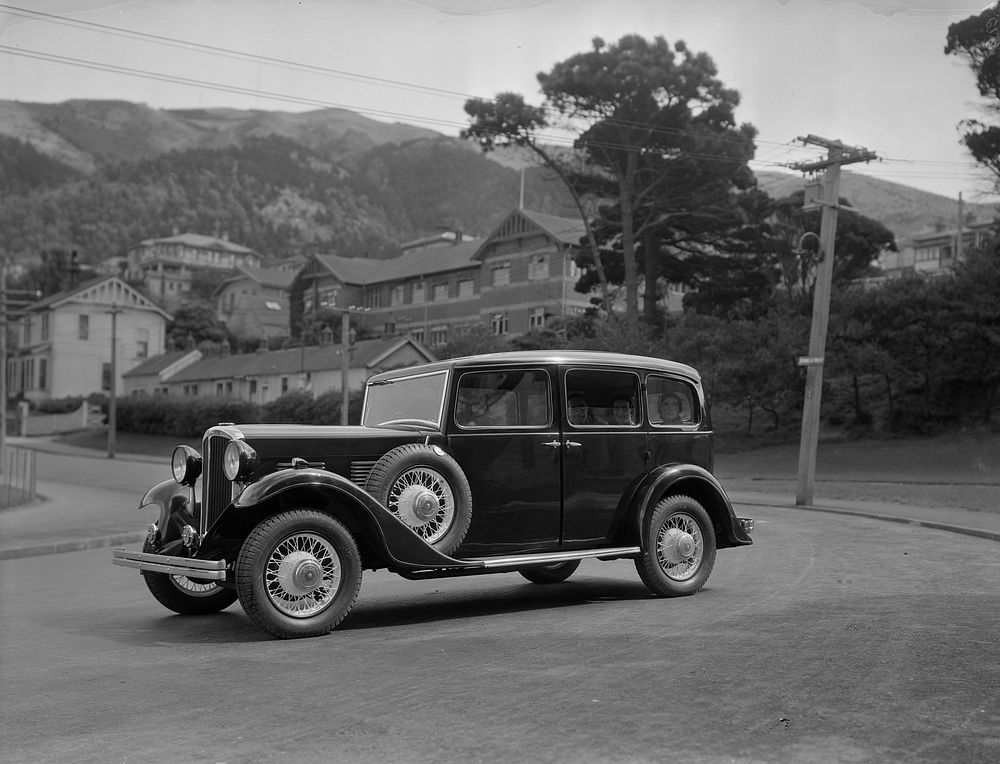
pixel 573 444
pixel 552 444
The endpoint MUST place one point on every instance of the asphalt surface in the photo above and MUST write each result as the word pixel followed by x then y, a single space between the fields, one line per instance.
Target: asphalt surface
pixel 67 517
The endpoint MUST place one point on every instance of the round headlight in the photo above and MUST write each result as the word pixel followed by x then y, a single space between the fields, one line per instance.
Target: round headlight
pixel 185 464
pixel 239 460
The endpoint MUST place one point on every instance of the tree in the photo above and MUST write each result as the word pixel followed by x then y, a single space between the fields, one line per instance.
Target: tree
pixel 656 127
pixel 859 241
pixel 193 324
pixel 508 121
pixel 976 38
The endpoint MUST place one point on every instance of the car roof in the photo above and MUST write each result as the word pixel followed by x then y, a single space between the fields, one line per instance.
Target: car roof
pixel 564 357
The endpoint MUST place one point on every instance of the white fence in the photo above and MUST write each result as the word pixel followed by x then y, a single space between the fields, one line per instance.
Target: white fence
pixel 30 424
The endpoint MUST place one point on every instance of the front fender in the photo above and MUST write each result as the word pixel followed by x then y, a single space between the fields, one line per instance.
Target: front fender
pixel 390 537
pixel 175 503
pixel 693 481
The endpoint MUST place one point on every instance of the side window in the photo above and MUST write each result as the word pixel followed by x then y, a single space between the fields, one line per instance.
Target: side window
pixel 671 401
pixel 599 398
pixel 515 398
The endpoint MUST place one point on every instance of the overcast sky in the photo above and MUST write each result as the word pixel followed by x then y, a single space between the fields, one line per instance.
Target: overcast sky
pixel 871 73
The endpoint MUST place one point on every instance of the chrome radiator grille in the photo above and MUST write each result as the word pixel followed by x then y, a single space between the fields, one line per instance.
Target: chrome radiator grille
pixel 216 489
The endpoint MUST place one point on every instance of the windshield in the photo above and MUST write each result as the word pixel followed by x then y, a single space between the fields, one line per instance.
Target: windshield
pixel 416 399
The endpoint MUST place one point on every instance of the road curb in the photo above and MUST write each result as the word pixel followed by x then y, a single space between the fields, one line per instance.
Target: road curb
pixel 73 545
pixel 965 530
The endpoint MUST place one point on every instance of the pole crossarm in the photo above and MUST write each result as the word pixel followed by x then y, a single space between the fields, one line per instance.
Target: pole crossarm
pixel 839 154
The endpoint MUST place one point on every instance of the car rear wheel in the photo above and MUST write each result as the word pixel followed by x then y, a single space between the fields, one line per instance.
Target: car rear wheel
pixel 298 574
pixel 185 595
pixel 553 573
pixel 678 550
pixel 427 490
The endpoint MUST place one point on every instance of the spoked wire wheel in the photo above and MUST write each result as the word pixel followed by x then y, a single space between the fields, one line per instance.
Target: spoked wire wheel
pixel 302 575
pixel 298 573
pixel 422 498
pixel 426 489
pixel 680 546
pixel 195 588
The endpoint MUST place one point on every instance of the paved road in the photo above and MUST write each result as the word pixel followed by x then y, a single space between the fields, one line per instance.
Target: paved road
pixel 833 638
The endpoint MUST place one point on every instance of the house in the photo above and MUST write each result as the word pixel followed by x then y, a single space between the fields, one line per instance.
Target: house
pixel 513 281
pixel 267 375
pixel 63 343
pixel 936 251
pixel 253 302
pixel 170 267
pixel 150 377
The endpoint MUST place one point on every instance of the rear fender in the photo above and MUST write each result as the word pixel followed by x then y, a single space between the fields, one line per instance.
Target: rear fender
pixel 175 504
pixel 380 529
pixel 688 480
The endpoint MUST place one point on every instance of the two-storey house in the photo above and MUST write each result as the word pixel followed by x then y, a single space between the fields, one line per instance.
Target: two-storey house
pixel 62 346
pixel 253 302
pixel 513 281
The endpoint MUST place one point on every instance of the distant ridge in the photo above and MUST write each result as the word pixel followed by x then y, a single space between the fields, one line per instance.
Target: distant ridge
pixel 99 175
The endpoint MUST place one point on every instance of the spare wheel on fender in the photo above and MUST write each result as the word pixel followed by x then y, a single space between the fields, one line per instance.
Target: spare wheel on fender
pixel 427 490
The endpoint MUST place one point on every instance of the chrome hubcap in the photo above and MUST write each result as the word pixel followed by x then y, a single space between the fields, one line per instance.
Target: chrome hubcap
pixel 300 573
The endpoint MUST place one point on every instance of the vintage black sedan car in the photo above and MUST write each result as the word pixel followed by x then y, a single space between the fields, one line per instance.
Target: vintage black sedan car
pixel 526 462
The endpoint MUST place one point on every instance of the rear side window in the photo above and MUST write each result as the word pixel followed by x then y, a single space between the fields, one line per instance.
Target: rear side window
pixel 602 398
pixel 671 402
pixel 503 399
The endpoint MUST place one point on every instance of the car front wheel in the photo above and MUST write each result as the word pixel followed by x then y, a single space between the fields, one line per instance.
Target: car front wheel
pixel 185 595
pixel 678 549
pixel 298 574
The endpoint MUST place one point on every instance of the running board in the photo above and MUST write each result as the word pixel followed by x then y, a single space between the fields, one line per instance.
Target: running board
pixel 548 558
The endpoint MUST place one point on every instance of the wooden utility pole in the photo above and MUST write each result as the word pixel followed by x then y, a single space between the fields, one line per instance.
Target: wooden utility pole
pixel 837 155
pixel 112 408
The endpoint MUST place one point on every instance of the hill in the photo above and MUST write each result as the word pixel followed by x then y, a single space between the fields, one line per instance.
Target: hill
pixel 904 210
pixel 98 176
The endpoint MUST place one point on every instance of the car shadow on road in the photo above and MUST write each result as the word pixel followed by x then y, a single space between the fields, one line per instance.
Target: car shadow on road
pixel 373 612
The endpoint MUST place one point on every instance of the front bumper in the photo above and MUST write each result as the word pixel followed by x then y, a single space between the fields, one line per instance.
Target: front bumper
pixel 211 570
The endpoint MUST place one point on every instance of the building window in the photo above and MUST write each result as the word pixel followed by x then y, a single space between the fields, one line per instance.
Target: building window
pixel 106 376
pixel 466 288
pixel 142 343
pixel 252 385
pixel 43 374
pixel 536 318
pixel 417 335
pixel 538 268
pixel 83 327
pixel 27 330
pixel 498 323
pixel 327 298
pixel 440 293
pixel 284 385
pixel 418 292
pixel 396 295
pixel 439 335
pixel 45 326
pixel 373 298
pixel 500 275
pixel 218 389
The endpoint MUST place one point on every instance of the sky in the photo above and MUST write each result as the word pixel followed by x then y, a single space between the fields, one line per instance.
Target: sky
pixel 870 73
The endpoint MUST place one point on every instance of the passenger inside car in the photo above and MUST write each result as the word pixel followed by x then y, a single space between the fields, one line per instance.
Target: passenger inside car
pixel 621 411
pixel 579 412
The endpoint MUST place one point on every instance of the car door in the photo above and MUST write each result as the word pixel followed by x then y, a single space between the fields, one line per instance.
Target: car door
pixel 503 430
pixel 602 454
